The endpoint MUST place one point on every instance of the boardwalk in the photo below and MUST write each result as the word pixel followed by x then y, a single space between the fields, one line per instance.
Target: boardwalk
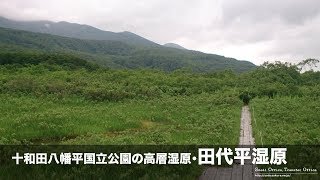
pixel 237 171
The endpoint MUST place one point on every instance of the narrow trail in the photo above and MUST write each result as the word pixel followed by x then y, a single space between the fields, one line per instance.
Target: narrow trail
pixel 246 136
pixel 237 171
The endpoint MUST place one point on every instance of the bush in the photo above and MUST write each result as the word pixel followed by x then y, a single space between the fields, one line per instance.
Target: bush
pixel 107 95
pixel 24 85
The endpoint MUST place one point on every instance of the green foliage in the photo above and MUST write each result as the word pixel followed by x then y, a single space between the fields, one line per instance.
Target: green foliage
pixel 287 120
pixel 246 97
pixel 278 79
pixel 107 95
pixel 126 100
pixel 198 119
pixel 43 74
pixel 117 54
pixel 26 58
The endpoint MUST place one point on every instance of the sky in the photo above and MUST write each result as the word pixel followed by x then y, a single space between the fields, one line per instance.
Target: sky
pixel 254 30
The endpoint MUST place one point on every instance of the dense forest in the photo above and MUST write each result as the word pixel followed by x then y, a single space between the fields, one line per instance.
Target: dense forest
pixel 120 55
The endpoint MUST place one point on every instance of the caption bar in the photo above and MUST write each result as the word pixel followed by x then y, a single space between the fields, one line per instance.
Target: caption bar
pixel 205 156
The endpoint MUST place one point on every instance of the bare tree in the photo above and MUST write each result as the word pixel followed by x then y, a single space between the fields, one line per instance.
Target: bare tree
pixel 308 64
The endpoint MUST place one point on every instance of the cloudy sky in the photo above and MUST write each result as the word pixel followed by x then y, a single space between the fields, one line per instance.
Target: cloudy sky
pixel 255 30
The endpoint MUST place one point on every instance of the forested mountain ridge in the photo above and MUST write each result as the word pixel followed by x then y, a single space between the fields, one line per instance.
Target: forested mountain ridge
pixel 74 30
pixel 116 54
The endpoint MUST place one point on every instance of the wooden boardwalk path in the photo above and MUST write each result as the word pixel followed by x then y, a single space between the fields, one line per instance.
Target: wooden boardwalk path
pixel 237 171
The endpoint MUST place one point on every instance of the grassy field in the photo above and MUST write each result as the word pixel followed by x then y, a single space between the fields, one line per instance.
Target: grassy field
pixel 286 120
pixel 197 119
pixel 182 120
pixel 55 105
pixel 48 104
pixel 41 105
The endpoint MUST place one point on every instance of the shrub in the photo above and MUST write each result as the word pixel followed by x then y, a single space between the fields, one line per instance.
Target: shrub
pixel 107 95
pixel 21 84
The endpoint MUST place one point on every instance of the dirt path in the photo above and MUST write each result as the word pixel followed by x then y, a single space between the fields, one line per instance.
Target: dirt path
pixel 237 171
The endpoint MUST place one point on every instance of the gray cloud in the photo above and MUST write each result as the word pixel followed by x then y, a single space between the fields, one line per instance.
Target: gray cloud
pixel 244 29
pixel 289 11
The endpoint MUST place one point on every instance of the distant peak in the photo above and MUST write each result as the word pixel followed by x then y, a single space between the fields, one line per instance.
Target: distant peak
pixel 127 32
pixel 64 22
pixel 47 25
pixel 173 45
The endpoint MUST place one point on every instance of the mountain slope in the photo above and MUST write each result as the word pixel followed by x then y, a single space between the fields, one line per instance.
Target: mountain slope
pixel 115 54
pixel 173 45
pixel 74 30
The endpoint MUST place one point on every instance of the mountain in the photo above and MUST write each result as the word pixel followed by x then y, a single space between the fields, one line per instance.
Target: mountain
pixel 173 45
pixel 117 54
pixel 74 30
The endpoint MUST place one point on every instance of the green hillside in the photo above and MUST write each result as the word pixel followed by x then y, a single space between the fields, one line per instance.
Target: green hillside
pixel 116 54
pixel 74 30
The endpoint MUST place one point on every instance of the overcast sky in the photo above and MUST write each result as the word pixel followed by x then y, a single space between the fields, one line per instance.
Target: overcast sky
pixel 255 30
